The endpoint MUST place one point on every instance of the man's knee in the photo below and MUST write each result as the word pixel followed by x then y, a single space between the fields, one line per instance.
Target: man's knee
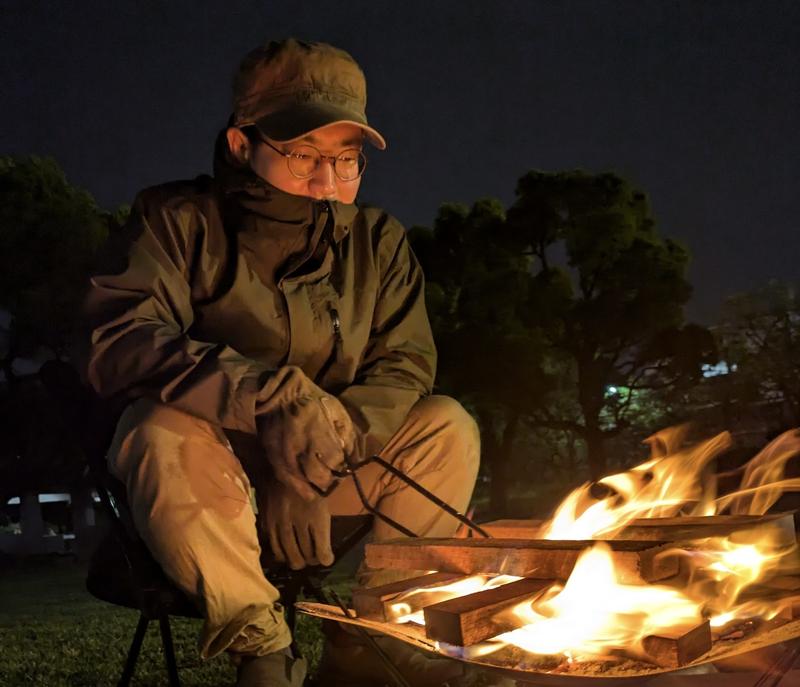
pixel 165 456
pixel 460 430
pixel 150 421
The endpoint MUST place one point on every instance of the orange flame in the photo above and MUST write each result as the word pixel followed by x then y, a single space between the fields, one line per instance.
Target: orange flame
pixel 593 614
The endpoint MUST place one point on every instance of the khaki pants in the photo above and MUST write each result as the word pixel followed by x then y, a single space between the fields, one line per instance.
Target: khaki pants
pixel 190 499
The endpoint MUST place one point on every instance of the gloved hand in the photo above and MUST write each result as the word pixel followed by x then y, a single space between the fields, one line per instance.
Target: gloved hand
pixel 299 530
pixel 305 438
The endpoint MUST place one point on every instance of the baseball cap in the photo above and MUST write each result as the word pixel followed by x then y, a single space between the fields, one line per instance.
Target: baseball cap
pixel 290 87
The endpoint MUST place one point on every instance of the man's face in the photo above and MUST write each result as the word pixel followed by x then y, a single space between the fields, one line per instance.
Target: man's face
pixel 323 184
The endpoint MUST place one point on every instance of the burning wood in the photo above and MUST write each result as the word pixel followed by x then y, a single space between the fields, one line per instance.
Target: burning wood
pixel 541 559
pixel 379 603
pixel 600 579
pixel 780 526
pixel 470 619
pixel 764 602
pixel 677 647
pixel 788 582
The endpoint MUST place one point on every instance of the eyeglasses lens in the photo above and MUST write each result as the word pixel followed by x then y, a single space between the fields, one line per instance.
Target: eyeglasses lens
pixel 348 166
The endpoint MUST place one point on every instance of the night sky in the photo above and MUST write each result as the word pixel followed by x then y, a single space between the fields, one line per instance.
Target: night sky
pixel 697 102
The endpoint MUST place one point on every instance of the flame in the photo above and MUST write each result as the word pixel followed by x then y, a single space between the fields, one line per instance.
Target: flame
pixel 722 570
pixel 401 609
pixel 593 614
pixel 658 488
pixel 674 481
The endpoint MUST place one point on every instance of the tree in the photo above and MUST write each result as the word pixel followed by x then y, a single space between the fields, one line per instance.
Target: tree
pixel 49 233
pixel 565 313
pixel 759 334
pixel 476 290
pixel 36 451
pixel 613 307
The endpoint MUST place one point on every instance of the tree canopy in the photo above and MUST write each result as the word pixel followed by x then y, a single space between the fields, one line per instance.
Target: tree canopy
pixel 49 233
pixel 561 311
pixel 759 337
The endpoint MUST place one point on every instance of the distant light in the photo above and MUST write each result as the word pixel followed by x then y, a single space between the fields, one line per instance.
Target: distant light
pixel 53 498
pixel 43 498
pixel 720 368
pixel 612 390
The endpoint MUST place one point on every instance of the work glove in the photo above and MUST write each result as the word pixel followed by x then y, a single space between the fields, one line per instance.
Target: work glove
pixel 299 530
pixel 305 437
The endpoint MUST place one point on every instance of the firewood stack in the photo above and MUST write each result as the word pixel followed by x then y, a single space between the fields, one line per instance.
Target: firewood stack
pixel 645 552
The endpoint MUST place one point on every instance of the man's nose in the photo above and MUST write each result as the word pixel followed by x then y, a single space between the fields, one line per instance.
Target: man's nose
pixel 323 182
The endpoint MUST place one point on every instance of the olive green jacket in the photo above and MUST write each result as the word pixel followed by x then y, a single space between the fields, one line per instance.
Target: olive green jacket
pixel 181 311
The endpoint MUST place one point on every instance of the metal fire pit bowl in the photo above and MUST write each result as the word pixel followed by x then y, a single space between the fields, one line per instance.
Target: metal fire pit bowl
pixel 625 674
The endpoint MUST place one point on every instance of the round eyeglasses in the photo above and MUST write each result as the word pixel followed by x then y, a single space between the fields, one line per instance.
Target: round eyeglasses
pixel 305 159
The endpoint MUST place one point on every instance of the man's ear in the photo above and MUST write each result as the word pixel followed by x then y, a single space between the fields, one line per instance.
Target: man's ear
pixel 238 144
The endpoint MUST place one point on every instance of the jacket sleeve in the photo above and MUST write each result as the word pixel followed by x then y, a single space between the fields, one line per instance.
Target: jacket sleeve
pixel 134 339
pixel 399 363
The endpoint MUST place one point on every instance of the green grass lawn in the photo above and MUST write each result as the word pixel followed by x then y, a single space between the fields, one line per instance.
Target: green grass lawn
pixel 54 634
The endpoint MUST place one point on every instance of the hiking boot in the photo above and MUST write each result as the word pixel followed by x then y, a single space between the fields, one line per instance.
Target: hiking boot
pixel 278 669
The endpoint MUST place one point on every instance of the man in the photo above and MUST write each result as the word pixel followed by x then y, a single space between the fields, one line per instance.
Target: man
pixel 263 329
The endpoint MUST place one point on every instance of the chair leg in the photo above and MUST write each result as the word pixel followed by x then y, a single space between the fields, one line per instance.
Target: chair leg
pixel 133 652
pixel 291 614
pixel 169 651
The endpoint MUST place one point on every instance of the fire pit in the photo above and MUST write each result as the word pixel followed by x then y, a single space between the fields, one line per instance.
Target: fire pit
pixel 646 572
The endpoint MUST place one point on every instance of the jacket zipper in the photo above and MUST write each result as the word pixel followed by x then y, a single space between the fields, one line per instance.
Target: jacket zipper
pixel 336 323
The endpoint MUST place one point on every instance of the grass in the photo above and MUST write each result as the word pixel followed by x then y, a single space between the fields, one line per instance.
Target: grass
pixel 54 634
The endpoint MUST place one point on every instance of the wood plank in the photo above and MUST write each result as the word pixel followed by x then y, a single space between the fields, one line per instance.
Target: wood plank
pixel 789 605
pixel 789 583
pixel 786 601
pixel 514 529
pixel 376 603
pixel 635 561
pixel 474 617
pixel 676 648
pixel 739 527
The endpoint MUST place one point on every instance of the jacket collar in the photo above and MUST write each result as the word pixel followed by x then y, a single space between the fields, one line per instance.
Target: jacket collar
pixel 254 195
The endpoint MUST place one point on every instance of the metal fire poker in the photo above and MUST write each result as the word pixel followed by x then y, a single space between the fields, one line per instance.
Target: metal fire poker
pixel 351 470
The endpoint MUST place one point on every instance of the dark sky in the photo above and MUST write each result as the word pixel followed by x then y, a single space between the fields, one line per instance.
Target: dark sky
pixel 697 102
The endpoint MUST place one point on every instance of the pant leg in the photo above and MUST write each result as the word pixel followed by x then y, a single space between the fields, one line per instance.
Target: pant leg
pixel 438 446
pixel 190 500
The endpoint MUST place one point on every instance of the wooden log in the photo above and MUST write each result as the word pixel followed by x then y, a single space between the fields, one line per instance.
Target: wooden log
pixel 787 602
pixel 740 528
pixel 514 529
pixel 790 583
pixel 789 606
pixel 674 649
pixel 474 617
pixel 635 561
pixel 376 603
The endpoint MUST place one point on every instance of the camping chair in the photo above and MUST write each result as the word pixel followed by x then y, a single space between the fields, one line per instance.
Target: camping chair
pixel 122 571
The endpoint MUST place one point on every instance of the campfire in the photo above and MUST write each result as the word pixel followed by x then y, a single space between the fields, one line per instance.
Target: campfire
pixel 645 571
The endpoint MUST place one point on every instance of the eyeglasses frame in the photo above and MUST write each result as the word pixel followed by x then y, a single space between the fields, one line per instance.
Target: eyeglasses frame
pixel 332 158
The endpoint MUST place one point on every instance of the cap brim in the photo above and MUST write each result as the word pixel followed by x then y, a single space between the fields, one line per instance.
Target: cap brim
pixel 301 119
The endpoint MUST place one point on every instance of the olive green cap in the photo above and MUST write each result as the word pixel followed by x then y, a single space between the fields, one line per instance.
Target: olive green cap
pixel 288 88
